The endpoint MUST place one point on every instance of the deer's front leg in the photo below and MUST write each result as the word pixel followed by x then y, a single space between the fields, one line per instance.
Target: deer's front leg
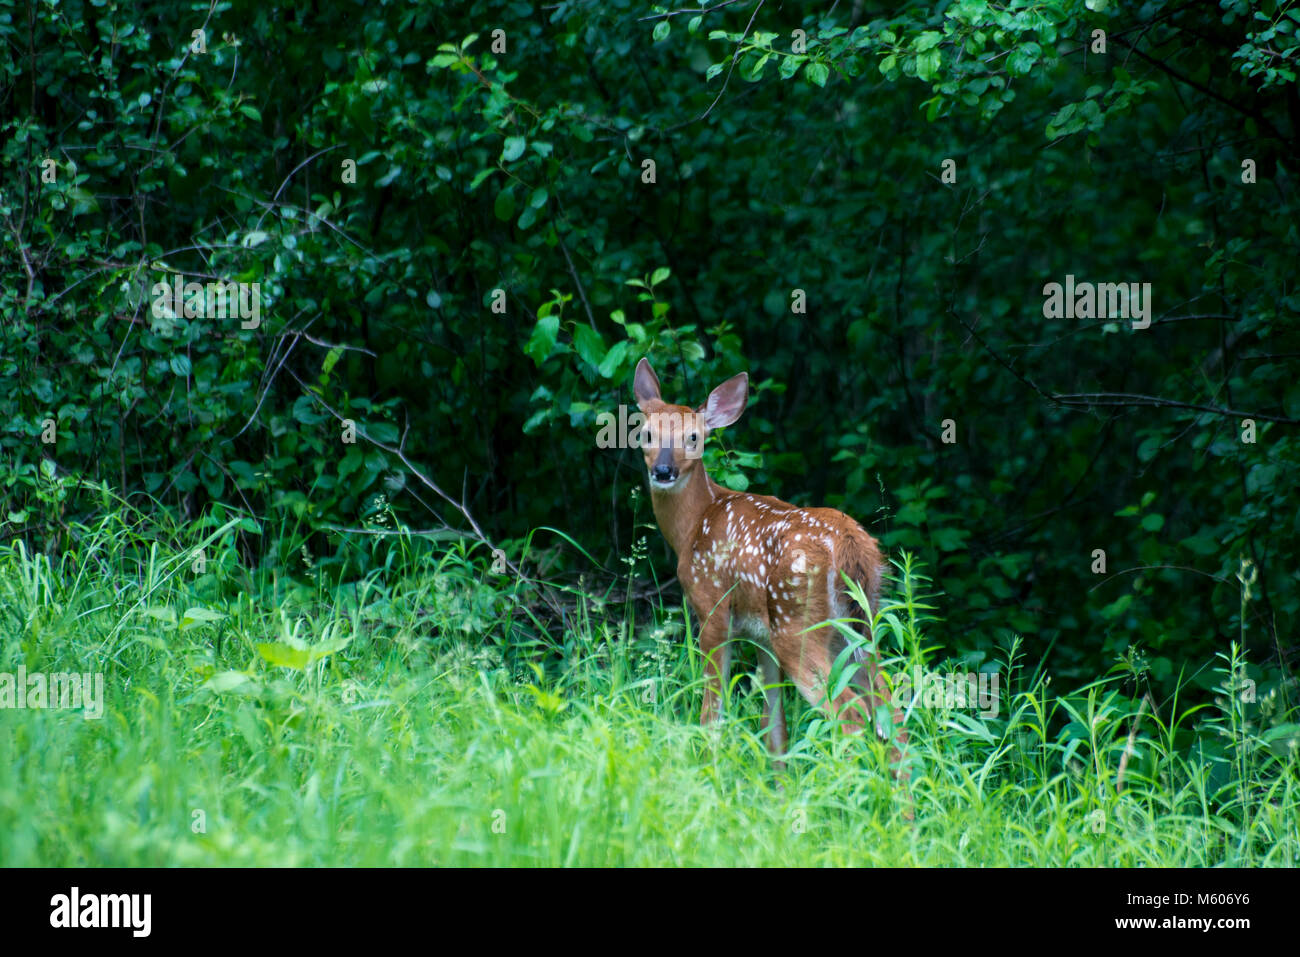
pixel 717 663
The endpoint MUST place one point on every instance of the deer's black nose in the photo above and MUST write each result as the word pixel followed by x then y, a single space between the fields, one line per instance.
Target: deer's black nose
pixel 663 473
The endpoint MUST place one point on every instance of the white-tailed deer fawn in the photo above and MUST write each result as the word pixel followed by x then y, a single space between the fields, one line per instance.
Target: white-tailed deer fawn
pixel 756 566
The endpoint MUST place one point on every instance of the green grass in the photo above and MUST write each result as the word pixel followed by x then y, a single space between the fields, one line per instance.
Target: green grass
pixel 421 716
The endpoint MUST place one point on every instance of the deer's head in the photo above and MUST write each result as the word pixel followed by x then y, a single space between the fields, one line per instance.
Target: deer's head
pixel 672 440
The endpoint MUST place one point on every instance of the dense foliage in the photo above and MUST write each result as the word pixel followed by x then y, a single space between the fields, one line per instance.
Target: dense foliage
pixel 359 730
pixel 460 246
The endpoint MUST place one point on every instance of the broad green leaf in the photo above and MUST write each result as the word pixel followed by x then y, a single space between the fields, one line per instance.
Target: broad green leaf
pixel 199 616
pixel 588 343
pixel 513 148
pixel 226 681
pixel 504 207
pixel 609 366
pixel 162 613
pixel 927 65
pixel 928 41
pixel 542 342
pixel 283 656
pixel 816 73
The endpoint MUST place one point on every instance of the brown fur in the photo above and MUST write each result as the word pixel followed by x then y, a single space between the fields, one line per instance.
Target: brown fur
pixel 756 565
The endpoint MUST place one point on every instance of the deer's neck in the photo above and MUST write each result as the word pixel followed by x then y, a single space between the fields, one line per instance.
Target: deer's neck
pixel 680 512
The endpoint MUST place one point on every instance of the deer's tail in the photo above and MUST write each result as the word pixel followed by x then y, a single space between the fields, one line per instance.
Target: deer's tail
pixel 859 557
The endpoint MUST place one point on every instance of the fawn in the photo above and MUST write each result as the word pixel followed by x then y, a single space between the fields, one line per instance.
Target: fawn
pixel 756 566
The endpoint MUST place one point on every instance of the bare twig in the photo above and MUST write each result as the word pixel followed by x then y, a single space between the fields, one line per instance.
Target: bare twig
pixel 1132 399
pixel 735 58
pixel 400 453
pixel 668 14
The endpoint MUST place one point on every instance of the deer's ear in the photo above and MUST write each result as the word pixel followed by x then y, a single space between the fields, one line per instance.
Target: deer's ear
pixel 645 384
pixel 726 402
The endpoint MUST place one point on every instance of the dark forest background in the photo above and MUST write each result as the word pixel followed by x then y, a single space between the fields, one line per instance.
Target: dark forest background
pixel 863 215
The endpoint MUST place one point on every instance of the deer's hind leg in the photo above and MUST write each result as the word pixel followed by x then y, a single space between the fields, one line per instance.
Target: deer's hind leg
pixel 773 709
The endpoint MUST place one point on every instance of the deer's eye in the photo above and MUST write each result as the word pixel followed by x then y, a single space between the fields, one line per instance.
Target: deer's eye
pixel 693 438
pixel 645 436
